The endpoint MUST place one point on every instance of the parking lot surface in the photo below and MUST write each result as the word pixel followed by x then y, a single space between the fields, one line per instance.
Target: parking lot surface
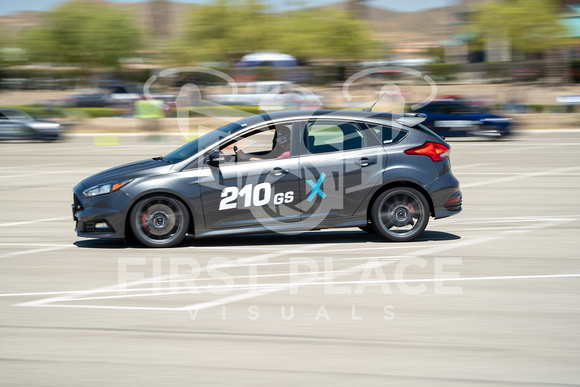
pixel 488 297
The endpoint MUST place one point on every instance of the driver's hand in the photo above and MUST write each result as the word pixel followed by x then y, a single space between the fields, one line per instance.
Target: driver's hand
pixel 241 155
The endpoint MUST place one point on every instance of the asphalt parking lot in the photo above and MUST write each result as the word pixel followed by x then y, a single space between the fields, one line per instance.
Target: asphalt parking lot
pixel 488 297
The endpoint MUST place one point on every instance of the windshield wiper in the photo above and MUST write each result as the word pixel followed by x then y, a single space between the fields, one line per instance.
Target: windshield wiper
pixel 159 158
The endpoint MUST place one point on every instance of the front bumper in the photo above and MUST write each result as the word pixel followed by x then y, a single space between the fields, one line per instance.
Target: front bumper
pixel 100 216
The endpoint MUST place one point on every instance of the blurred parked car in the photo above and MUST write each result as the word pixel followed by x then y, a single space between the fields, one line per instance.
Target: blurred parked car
pixel 113 96
pixel 452 118
pixel 267 59
pixel 269 93
pixel 18 125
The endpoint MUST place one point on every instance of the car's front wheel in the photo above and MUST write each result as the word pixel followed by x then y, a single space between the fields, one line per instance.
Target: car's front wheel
pixel 159 221
pixel 400 214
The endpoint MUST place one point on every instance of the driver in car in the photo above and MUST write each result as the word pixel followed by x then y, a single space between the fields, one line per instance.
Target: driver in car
pixel 280 148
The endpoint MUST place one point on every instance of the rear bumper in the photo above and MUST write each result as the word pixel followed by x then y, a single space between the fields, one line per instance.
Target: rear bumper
pixel 446 196
pixel 451 207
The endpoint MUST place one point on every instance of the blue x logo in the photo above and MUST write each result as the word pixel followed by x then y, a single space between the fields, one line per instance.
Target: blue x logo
pixel 316 188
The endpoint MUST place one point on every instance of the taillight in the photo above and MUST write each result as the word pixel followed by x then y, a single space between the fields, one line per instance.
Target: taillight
pixel 436 151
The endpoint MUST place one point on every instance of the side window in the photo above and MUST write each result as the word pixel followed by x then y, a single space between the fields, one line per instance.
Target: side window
pixel 387 134
pixel 267 142
pixel 330 136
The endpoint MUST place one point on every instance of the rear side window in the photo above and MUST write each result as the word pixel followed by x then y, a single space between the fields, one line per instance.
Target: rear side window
pixel 388 134
pixel 330 136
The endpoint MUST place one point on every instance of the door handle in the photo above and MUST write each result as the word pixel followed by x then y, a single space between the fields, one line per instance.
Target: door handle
pixel 364 161
pixel 279 171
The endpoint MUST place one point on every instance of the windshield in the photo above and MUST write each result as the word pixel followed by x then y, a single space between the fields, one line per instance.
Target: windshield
pixel 201 143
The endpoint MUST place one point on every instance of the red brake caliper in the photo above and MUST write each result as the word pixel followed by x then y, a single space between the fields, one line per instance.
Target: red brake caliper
pixel 144 221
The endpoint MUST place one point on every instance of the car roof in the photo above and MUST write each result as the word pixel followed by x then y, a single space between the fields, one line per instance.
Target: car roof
pixel 331 114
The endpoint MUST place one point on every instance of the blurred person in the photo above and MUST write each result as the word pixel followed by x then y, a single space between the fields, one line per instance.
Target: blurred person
pixel 150 115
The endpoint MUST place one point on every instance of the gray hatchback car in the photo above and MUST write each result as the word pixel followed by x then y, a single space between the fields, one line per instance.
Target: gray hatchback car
pixel 281 172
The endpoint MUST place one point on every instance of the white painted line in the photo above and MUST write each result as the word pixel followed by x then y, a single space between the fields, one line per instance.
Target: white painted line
pixel 456 167
pixel 42 173
pixel 39 293
pixel 116 287
pixel 35 244
pixel 35 221
pixel 34 251
pixel 320 260
pixel 495 278
pixel 36 165
pixel 273 288
pixel 244 296
pixel 433 250
pixel 523 219
pixel 169 291
pixel 519 177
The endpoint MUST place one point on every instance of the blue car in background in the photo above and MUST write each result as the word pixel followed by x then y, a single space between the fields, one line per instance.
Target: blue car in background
pixel 451 118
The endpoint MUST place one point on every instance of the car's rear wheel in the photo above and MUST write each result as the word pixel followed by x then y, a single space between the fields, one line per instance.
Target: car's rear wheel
pixel 159 221
pixel 400 214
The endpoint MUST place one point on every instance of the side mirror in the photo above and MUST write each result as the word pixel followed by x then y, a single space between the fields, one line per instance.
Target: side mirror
pixel 215 158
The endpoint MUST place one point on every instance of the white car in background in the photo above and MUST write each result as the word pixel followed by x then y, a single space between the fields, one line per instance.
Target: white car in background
pixel 277 94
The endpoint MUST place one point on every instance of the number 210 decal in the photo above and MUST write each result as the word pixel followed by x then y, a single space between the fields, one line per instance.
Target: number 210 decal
pixel 258 195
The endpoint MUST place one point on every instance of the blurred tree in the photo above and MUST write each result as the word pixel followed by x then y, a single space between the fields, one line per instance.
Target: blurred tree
pixel 220 31
pixel 228 29
pixel 37 44
pixel 84 32
pixel 325 34
pixel 530 26
pixel 2 37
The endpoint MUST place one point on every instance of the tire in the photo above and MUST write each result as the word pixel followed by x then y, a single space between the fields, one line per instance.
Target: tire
pixel 400 214
pixel 159 221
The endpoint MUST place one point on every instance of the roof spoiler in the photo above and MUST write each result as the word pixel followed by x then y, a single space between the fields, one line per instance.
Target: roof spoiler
pixel 411 119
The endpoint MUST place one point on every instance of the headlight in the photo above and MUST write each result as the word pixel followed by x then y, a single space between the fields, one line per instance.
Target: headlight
pixel 106 188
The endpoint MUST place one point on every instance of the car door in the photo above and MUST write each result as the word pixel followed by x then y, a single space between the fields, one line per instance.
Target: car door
pixel 341 163
pixel 256 193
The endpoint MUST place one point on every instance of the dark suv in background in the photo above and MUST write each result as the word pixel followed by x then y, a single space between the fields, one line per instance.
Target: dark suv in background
pixel 453 118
